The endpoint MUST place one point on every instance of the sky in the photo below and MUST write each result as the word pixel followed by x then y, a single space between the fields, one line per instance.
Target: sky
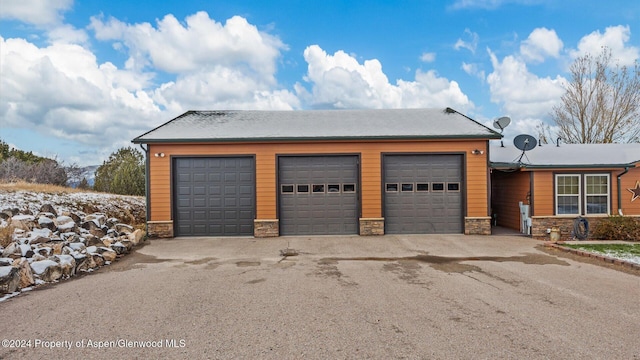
pixel 80 79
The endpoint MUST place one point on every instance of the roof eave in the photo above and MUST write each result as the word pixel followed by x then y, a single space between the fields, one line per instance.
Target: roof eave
pixel 140 140
pixel 499 165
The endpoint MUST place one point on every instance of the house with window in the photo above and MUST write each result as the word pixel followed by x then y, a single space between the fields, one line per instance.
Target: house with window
pixel 551 185
pixel 318 172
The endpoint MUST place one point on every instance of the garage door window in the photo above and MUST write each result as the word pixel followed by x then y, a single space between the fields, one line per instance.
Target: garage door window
pixel 286 189
pixel 453 187
pixel 348 188
pixel 407 187
pixel 422 187
pixel 437 186
pixel 333 188
pixel 392 187
pixel 303 189
pixel 318 188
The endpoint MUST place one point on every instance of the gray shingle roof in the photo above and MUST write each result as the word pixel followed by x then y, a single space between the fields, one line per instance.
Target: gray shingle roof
pixel 567 156
pixel 216 126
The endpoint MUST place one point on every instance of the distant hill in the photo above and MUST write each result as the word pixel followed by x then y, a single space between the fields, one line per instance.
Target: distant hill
pixel 87 172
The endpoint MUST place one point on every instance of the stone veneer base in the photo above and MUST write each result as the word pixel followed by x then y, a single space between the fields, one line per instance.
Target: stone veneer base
pixel 477 225
pixel 266 228
pixel 160 229
pixel 371 226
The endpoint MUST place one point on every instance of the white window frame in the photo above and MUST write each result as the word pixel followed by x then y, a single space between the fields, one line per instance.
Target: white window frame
pixel 607 194
pixel 582 193
pixel 578 195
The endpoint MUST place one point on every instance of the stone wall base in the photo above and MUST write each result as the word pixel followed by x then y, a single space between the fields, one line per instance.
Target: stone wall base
pixel 266 228
pixel 160 229
pixel 371 226
pixel 477 225
pixel 540 224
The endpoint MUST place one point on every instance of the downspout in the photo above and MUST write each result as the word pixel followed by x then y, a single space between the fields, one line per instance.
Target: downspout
pixel 626 169
pixel 147 166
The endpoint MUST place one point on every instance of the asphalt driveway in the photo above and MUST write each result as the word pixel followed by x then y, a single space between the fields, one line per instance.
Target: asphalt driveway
pixel 431 297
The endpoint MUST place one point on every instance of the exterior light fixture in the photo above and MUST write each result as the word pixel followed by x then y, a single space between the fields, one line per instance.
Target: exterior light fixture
pixel 477 152
pixel 161 155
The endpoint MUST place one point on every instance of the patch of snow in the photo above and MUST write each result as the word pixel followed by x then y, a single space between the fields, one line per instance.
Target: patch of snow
pixel 9 296
pixel 5 270
pixel 24 249
pixel 77 246
pixel 39 267
pixel 65 259
pixel 22 217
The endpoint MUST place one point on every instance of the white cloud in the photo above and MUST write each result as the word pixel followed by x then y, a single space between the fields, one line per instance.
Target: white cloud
pixel 62 91
pixel 200 43
pixel 473 70
pixel 615 38
pixel 222 66
pixel 540 44
pixel 470 45
pixel 37 12
pixel 340 81
pixel 522 93
pixel 428 57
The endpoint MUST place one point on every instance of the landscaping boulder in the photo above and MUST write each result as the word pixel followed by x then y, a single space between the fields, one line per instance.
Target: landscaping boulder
pixel 48 208
pixel 24 222
pixel 9 279
pixel 47 270
pixel 136 237
pixel 25 272
pixel 66 224
pixel 67 265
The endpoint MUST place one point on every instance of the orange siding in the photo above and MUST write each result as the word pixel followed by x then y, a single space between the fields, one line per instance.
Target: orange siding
pixel 507 190
pixel 628 181
pixel 370 181
pixel 543 193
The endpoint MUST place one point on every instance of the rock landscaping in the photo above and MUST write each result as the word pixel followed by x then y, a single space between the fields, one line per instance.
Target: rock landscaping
pixel 46 246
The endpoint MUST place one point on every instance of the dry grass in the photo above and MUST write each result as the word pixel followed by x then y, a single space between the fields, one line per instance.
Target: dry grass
pixel 41 188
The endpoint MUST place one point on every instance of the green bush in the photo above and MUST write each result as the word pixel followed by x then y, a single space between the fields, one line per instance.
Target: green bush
pixel 122 174
pixel 617 228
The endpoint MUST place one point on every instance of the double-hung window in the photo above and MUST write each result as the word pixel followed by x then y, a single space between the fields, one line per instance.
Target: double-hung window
pixel 582 194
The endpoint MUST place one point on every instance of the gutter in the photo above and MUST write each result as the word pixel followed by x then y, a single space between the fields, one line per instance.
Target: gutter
pixel 626 170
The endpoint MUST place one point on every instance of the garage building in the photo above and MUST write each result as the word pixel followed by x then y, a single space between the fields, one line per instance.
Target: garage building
pixel 318 172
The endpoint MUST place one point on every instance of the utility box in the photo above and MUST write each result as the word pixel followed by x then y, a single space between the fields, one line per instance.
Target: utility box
pixel 555 234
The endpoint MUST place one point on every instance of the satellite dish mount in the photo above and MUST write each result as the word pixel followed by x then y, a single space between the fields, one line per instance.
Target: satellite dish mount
pixel 501 123
pixel 525 143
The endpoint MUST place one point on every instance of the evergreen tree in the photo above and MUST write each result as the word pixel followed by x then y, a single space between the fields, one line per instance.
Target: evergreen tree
pixel 122 173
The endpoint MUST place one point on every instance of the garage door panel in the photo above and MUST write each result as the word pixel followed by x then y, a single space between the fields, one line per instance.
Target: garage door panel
pixel 322 211
pixel 214 196
pixel 434 211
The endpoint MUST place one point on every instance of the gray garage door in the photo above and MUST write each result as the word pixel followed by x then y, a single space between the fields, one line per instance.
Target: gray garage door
pixel 423 194
pixel 318 195
pixel 214 196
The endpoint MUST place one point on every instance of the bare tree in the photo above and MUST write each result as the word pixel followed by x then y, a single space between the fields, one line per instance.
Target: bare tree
pixel 601 103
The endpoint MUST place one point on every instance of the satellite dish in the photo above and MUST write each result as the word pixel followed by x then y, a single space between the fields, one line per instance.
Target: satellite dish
pixel 525 142
pixel 501 123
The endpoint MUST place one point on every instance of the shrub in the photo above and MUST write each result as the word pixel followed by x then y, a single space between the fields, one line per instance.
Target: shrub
pixel 122 173
pixel 617 228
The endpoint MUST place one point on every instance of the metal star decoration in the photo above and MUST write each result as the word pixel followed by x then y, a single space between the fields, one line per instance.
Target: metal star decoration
pixel 635 191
